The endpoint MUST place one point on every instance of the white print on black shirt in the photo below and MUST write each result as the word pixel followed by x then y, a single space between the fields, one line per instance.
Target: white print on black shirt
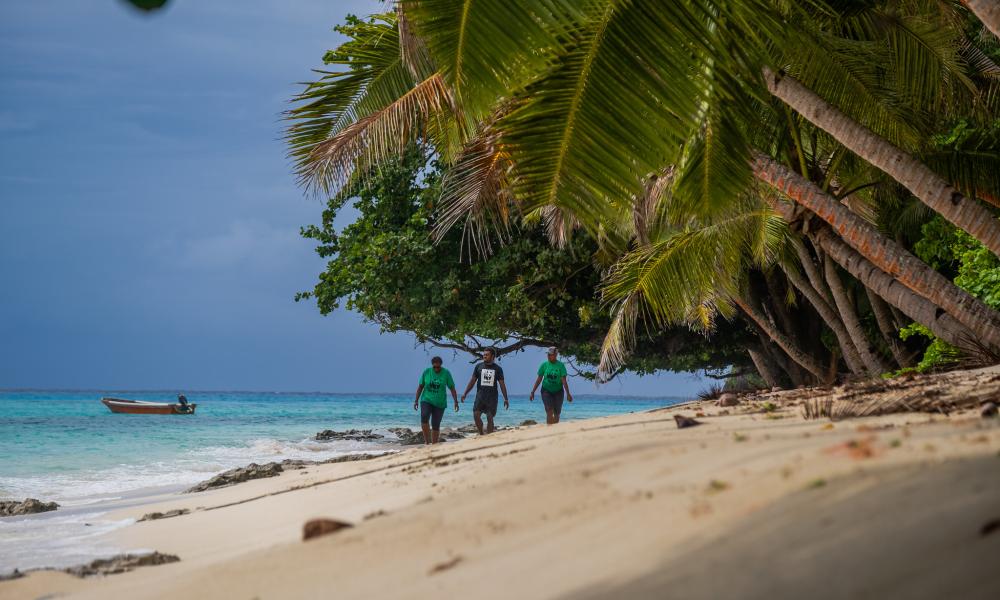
pixel 487 377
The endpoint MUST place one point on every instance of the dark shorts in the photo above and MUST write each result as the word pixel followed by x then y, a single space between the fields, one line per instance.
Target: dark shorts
pixel 431 414
pixel 553 401
pixel 486 405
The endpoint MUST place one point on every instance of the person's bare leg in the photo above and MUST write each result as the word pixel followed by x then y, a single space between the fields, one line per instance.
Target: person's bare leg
pixel 489 423
pixel 550 417
pixel 437 435
pixel 477 417
pixel 555 418
pixel 426 428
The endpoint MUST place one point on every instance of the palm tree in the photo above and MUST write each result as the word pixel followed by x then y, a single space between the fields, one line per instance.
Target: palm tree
pixel 883 252
pixel 924 183
pixel 594 97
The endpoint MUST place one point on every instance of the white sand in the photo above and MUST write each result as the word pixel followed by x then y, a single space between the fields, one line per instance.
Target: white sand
pixel 746 505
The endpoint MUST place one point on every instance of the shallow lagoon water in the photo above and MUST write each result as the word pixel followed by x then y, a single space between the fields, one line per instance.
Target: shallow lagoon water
pixel 69 448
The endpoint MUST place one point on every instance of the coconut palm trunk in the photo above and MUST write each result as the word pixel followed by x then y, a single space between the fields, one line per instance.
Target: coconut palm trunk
pixel 784 342
pixel 811 269
pixel 913 305
pixel 764 367
pixel 883 252
pixel 925 184
pixel 851 322
pixel 830 317
pixel 901 298
pixel 988 12
pixel 883 316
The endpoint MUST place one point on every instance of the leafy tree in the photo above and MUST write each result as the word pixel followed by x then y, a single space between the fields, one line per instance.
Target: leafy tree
pixel 570 112
pixel 385 265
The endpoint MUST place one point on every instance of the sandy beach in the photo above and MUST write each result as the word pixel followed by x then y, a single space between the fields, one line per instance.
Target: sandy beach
pixel 757 503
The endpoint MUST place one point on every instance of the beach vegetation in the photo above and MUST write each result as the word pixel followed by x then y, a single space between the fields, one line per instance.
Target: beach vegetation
pixel 758 164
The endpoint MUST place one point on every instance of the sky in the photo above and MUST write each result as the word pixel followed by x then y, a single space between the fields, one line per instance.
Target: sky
pixel 149 219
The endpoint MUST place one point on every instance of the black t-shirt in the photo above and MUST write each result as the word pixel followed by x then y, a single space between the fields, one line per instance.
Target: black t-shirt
pixel 487 377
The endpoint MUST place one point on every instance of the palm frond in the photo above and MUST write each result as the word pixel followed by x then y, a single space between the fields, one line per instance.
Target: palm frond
pixel 485 48
pixel 477 189
pixel 375 137
pixel 372 78
pixel 620 339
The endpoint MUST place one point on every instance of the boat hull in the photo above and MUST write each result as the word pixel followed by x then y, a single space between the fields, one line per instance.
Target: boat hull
pixel 137 407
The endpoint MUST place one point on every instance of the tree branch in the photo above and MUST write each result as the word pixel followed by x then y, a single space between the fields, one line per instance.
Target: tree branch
pixel 477 347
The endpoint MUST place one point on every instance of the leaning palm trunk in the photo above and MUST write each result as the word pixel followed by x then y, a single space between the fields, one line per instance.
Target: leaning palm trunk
pixel 883 252
pixel 883 316
pixel 926 185
pixel 988 12
pixel 830 317
pixel 905 300
pixel 764 367
pixel 851 322
pixel 784 342
pixel 811 269
pixel 913 305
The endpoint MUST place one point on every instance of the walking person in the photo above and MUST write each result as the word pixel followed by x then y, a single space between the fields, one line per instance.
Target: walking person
pixel 487 376
pixel 432 400
pixel 552 376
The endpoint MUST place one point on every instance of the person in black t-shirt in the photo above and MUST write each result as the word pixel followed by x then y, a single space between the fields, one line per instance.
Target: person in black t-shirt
pixel 487 377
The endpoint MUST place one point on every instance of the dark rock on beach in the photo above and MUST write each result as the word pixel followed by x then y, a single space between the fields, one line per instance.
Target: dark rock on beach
pixel 353 435
pixel 15 574
pixel 121 564
pixel 154 516
pixel 988 409
pixel 728 399
pixel 239 475
pixel 683 421
pixel 407 436
pixel 319 527
pixel 13 508
pixel 271 469
pixel 528 422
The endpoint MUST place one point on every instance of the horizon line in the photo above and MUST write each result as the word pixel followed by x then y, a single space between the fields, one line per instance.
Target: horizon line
pixel 179 390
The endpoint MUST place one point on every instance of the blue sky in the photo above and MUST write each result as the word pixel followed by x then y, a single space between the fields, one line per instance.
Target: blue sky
pixel 148 218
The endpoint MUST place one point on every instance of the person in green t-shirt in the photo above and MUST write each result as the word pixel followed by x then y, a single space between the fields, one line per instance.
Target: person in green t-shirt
pixel 431 399
pixel 552 376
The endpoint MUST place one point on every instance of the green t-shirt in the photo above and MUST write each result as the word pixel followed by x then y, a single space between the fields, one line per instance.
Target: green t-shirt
pixel 435 385
pixel 552 374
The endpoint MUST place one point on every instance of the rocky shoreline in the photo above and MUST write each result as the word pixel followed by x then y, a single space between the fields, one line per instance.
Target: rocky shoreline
pixel 271 469
pixel 30 506
pixel 122 563
pixel 404 436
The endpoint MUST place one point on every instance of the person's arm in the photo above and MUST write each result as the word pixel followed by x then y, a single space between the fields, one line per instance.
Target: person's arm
pixel 531 398
pixel 416 400
pixel 472 382
pixel 454 396
pixel 569 396
pixel 506 401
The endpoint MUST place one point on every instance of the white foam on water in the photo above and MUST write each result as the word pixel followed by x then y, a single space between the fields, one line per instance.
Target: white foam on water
pixel 55 541
pixel 81 488
pixel 77 536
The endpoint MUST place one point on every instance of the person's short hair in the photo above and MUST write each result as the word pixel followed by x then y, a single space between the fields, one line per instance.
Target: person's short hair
pixel 552 350
pixel 437 359
pixel 491 350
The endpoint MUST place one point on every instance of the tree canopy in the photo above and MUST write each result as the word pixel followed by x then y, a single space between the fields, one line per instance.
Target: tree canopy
pixel 716 162
pixel 385 265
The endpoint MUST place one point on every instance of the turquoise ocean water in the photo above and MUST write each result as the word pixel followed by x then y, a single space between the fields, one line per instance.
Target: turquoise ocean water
pixel 68 447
